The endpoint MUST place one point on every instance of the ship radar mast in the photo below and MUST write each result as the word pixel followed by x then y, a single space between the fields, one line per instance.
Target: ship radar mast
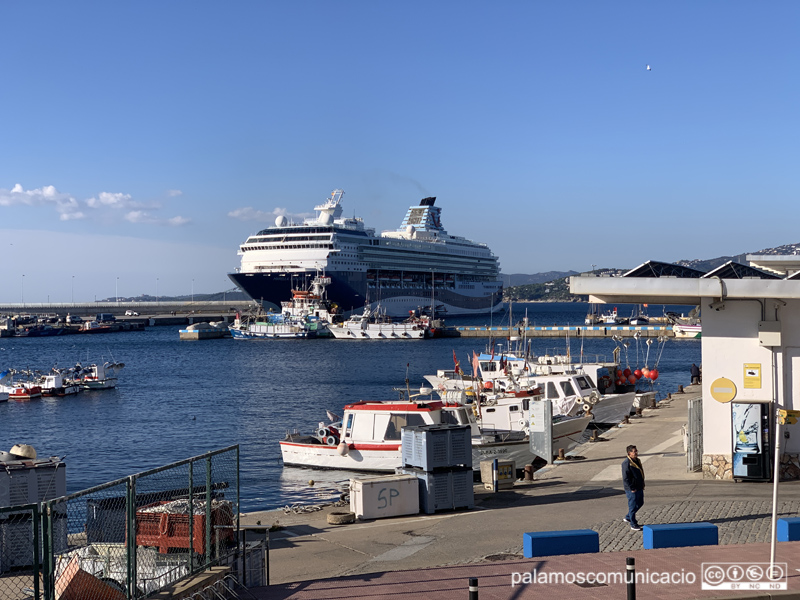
pixel 332 209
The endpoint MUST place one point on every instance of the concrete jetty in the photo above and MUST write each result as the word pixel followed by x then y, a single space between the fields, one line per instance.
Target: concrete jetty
pixel 435 555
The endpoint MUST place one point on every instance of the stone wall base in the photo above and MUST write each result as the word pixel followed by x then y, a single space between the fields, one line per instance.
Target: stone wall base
pixel 717 466
pixel 790 466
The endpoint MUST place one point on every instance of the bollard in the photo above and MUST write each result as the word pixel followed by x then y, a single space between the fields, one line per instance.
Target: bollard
pixel 626 420
pixel 528 473
pixel 561 454
pixel 630 577
pixel 495 469
pixel 594 436
pixel 638 412
pixel 680 389
pixel 669 396
pixel 473 588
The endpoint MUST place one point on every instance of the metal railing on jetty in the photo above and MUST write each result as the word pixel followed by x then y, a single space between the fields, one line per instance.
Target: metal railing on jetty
pixel 559 331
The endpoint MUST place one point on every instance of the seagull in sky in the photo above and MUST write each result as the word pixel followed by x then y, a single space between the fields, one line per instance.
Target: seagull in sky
pixel 648 68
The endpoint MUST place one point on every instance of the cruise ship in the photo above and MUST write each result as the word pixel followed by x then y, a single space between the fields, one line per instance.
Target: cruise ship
pixel 419 266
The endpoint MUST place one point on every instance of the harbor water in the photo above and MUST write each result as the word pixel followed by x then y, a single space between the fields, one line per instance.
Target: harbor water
pixel 177 399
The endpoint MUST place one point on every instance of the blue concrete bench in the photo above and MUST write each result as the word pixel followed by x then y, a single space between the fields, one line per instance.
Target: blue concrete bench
pixel 678 535
pixel 788 530
pixel 550 543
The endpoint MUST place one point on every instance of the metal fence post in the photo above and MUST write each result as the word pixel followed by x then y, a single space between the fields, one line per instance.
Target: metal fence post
pixel 49 559
pixel 131 537
pixel 191 517
pixel 37 550
pixel 240 542
pixel 208 510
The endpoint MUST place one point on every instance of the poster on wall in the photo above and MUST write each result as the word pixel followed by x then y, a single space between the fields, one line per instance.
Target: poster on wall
pixel 746 419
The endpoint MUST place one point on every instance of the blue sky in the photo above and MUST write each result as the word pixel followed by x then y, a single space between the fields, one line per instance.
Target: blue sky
pixel 140 143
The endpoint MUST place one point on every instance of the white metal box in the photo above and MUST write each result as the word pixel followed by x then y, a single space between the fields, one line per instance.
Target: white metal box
pixel 384 496
pixel 769 333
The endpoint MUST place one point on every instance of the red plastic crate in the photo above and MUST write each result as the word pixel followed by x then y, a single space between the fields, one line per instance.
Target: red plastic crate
pixel 167 530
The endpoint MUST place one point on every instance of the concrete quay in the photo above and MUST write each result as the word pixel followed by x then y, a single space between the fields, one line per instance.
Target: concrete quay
pixel 435 555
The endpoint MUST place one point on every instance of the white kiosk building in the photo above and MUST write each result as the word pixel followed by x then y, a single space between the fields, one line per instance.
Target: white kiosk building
pixel 750 318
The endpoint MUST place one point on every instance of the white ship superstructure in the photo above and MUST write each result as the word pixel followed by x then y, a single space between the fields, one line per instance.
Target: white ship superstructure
pixel 419 265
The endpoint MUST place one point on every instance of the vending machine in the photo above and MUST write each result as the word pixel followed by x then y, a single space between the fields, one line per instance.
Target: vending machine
pixel 752 441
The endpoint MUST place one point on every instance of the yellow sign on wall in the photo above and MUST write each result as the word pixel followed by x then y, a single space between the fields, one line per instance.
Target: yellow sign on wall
pixel 752 376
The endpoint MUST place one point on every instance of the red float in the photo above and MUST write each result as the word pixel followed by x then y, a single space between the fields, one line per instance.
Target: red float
pixel 653 374
pixel 638 373
pixel 627 372
pixel 632 379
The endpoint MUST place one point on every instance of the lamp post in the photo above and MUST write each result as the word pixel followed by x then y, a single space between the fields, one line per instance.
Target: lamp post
pixel 192 291
pixel 116 291
pixel 23 290
pixel 156 290
pixel 72 290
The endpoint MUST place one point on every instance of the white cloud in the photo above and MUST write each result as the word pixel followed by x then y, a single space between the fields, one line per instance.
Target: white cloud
pixel 47 195
pixel 174 193
pixel 104 204
pixel 140 216
pixel 178 221
pixel 118 200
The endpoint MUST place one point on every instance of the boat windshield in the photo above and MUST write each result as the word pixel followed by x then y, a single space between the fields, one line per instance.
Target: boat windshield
pixel 398 421
pixel 568 389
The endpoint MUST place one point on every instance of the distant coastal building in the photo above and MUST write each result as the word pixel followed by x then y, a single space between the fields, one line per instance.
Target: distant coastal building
pixel 750 318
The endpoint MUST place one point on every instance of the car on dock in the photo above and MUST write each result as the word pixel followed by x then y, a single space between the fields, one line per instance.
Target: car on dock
pixel 131 313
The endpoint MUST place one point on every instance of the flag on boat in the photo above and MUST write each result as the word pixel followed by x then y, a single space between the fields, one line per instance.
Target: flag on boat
pixel 458 366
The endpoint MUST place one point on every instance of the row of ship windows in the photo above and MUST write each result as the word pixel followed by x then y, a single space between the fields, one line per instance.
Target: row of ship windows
pixel 286 247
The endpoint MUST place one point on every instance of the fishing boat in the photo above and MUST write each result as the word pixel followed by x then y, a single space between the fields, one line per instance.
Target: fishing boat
pixel 402 268
pixel 19 390
pixel 687 331
pixel 639 316
pixel 375 325
pixel 55 384
pixel 98 377
pixel 265 325
pixel 312 307
pixel 571 391
pixel 368 437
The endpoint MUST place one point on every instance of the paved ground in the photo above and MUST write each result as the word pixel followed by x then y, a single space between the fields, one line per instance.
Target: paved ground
pixel 580 493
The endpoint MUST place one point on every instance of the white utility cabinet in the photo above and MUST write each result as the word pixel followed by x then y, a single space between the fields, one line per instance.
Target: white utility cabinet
pixel 384 496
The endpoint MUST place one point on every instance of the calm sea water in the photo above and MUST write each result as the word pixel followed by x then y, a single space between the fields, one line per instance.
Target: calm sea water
pixel 178 399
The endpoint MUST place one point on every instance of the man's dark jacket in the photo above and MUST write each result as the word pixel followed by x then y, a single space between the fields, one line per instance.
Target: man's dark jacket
pixel 632 474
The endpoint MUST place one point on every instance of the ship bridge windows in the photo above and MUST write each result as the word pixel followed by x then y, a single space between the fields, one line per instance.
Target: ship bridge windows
pixel 568 389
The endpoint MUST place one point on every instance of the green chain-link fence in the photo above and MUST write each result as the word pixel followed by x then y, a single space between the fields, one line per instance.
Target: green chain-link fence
pixel 184 518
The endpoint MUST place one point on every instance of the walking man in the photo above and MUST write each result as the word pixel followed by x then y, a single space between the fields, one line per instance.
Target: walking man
pixel 633 482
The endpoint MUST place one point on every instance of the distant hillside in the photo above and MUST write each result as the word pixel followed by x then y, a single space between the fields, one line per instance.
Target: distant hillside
pixel 234 295
pixel 713 263
pixel 522 279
